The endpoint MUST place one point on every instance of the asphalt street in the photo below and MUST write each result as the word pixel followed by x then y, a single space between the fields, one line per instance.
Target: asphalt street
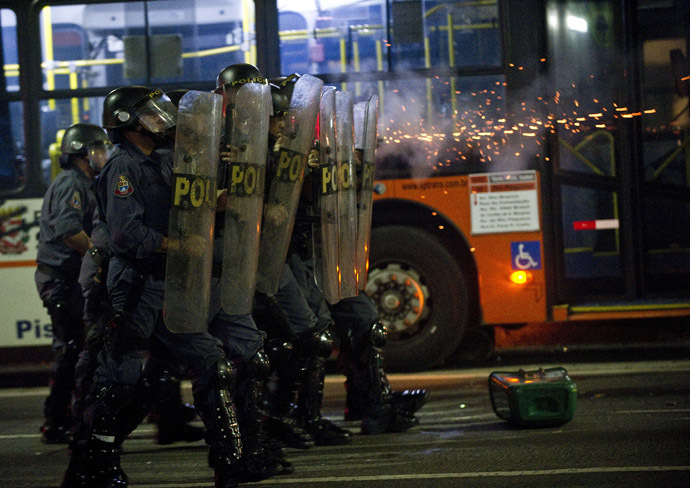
pixel 630 429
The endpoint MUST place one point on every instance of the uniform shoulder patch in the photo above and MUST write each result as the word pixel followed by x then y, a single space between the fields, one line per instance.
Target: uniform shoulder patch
pixel 123 188
pixel 75 201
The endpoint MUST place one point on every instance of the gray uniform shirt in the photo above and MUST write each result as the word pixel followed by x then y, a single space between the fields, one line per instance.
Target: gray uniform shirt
pixel 67 209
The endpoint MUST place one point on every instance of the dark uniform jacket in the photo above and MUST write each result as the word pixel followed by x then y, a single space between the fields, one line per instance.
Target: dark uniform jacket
pixel 134 192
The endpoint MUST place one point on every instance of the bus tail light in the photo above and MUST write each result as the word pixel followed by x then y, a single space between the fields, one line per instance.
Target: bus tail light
pixel 520 277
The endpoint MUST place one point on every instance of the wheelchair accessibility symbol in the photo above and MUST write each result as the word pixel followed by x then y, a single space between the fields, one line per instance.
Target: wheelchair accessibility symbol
pixel 525 255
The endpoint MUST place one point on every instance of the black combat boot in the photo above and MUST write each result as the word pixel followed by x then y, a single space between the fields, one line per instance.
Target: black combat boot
pixel 275 450
pixel 171 415
pixel 77 474
pixel 379 414
pixel 57 407
pixel 103 459
pixel 55 431
pixel 258 464
pixel 95 464
pixel 109 419
pixel 225 466
pixel 406 402
pixel 280 422
pixel 310 398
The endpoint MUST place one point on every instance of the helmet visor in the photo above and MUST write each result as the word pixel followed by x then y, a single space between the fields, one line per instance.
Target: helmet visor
pixel 98 153
pixel 157 115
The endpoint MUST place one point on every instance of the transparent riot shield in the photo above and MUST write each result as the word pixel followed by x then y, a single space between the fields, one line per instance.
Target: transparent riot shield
pixel 245 176
pixel 366 120
pixel 347 195
pixel 190 249
pixel 325 231
pixel 286 182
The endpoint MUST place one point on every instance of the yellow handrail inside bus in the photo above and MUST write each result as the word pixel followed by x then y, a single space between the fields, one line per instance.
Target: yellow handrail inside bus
pixel 48 34
pixel 247 21
pixel 429 99
pixel 11 70
pixel 606 135
pixel 685 145
pixel 343 60
pixel 450 28
pixel 379 67
pixel 73 85
pixel 69 68
pixel 355 63
pixel 484 25
pixel 575 150
pixel 451 63
pixel 478 3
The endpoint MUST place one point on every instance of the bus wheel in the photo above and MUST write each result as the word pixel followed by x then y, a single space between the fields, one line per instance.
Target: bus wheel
pixel 421 295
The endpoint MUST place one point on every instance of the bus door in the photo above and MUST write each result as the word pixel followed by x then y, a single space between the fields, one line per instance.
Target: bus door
pixel 618 235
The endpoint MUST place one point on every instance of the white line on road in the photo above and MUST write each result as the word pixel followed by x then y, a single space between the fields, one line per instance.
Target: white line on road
pixel 142 430
pixel 667 410
pixel 479 474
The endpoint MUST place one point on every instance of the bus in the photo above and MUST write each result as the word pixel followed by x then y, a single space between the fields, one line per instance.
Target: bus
pixel 533 161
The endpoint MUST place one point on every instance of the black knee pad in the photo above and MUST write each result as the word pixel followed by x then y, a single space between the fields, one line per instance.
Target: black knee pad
pixel 314 343
pixel 325 346
pixel 227 375
pixel 378 334
pixel 260 366
pixel 279 352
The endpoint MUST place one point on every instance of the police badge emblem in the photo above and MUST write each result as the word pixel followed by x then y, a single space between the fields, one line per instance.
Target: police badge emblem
pixel 123 187
pixel 75 201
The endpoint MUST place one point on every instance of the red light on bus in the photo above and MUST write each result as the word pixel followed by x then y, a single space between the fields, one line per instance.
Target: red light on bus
pixel 520 277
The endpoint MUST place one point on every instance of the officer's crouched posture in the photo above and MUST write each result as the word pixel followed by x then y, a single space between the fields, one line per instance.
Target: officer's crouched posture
pixel 134 194
pixel 64 238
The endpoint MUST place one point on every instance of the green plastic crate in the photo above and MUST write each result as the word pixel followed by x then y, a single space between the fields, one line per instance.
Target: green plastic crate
pixel 545 397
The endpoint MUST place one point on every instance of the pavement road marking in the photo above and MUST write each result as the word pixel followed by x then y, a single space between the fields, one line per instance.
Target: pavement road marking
pixel 479 474
pixel 667 410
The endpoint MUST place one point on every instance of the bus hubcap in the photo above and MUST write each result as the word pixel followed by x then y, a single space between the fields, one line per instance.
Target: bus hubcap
pixel 401 298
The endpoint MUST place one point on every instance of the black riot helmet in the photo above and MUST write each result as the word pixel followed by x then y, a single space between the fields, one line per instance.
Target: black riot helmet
pixel 85 140
pixel 280 101
pixel 125 106
pixel 281 93
pixel 232 77
pixel 78 136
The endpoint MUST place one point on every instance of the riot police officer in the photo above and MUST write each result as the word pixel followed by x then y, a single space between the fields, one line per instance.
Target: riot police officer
pixel 169 413
pixel 296 337
pixel 134 195
pixel 65 225
pixel 354 319
pixel 246 102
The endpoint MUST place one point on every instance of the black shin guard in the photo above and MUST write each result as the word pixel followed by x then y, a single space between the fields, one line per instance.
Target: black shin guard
pixel 280 421
pixel 216 406
pixel 68 328
pixel 310 396
pixel 369 379
pixel 257 463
